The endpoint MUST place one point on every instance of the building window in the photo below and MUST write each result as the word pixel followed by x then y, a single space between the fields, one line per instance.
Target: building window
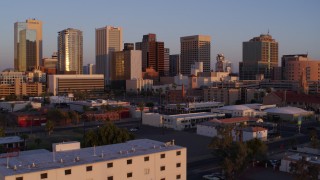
pixel 178 153
pixel 110 165
pixel 162 168
pixel 19 178
pixel 163 178
pixel 179 176
pixel 67 171
pixel 146 158
pixel 89 168
pixel 129 174
pixel 163 156
pixel 178 164
pixel 110 178
pixel 129 161
pixel 44 176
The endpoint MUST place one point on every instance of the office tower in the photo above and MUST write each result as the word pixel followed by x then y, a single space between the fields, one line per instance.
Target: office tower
pixel 50 62
pixel 128 46
pixel 295 66
pixel 166 61
pixel 259 56
pixel 70 51
pixel 152 53
pixel 174 64
pixel 125 65
pixel 195 49
pixel 223 65
pixel 108 40
pixel 27 44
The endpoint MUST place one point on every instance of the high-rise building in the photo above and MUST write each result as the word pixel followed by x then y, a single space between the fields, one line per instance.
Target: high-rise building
pixel 174 64
pixel 223 65
pixel 108 40
pixel 295 66
pixel 89 69
pixel 166 61
pixel 27 44
pixel 128 46
pixel 125 65
pixel 70 50
pixel 259 57
pixel 152 53
pixel 195 49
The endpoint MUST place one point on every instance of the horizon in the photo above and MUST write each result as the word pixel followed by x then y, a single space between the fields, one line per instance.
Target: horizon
pixel 291 23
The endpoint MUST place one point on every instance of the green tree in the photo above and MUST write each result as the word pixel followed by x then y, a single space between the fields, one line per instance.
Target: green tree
pixel 73 116
pixel 57 116
pixel 91 138
pixel 303 169
pixel 2 132
pixel 49 127
pixel 38 141
pixel 257 150
pixel 141 106
pixel 314 139
pixel 233 154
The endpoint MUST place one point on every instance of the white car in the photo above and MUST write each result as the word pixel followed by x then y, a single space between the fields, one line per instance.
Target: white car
pixel 133 129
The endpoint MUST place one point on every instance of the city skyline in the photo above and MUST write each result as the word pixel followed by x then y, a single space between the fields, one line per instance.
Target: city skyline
pixel 292 24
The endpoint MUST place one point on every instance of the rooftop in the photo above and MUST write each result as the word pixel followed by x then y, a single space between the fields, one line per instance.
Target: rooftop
pixel 286 110
pixel 193 115
pixel 214 122
pixel 10 139
pixel 290 96
pixel 42 160
pixel 253 129
pixel 235 108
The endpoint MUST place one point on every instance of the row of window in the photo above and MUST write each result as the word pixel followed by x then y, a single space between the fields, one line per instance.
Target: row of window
pixel 110 165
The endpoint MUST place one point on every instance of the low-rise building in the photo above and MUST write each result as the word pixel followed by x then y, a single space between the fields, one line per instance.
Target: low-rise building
pixel 27 119
pixel 210 128
pixel 193 107
pixel 136 85
pixel 288 114
pixel 13 106
pixel 136 159
pixel 238 111
pixel 64 83
pixel 11 144
pixel 178 121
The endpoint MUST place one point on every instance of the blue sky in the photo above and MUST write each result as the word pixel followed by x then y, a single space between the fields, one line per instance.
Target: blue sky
pixel 294 24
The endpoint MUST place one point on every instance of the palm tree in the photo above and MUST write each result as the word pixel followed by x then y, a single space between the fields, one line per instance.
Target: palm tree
pixel 141 108
pixel 49 127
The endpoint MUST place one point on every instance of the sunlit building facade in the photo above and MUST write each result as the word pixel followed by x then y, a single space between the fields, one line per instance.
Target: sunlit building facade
pixel 27 44
pixel 108 40
pixel 70 50
pixel 195 49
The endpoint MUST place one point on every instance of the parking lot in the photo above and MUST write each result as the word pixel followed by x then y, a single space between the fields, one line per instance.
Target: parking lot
pixel 197 146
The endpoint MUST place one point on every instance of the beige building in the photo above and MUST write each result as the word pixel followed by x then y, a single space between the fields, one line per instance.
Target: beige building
pixel 227 95
pixel 296 66
pixel 136 85
pixel 22 89
pixel 70 50
pixel 194 49
pixel 125 65
pixel 27 44
pixel 259 56
pixel 108 40
pixel 136 159
pixel 64 84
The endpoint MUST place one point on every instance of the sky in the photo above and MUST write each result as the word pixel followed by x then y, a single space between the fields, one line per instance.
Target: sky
pixel 295 24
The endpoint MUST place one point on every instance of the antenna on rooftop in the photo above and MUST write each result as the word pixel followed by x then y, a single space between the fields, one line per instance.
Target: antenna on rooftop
pixel 8 162
pixel 268 31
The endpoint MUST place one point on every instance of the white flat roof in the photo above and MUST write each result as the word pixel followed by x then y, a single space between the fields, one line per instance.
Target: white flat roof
pixel 10 139
pixel 44 160
pixel 286 110
pixel 235 108
pixel 191 115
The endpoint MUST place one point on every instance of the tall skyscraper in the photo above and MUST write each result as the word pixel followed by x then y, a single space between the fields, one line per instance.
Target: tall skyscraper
pixel 27 44
pixel 166 61
pixel 174 66
pixel 70 51
pixel 108 40
pixel 259 57
pixel 152 53
pixel 195 49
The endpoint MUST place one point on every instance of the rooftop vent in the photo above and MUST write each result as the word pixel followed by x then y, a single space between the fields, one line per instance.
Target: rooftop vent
pixel 15 167
pixel 33 165
pixel 61 160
